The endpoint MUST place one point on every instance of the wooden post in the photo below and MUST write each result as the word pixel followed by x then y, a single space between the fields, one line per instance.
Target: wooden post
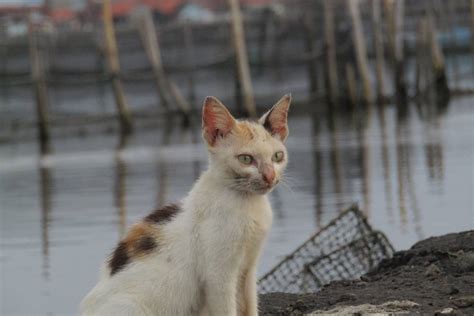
pixel 190 53
pixel 388 7
pixel 180 101
pixel 330 49
pixel 111 52
pixel 361 53
pixel 310 43
pixel 38 77
pixel 146 29
pixel 437 58
pixel 378 48
pixel 351 84
pixel 421 51
pixel 152 48
pixel 395 11
pixel 238 37
pixel 472 31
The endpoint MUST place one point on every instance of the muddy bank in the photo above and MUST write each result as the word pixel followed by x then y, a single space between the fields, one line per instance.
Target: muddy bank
pixel 435 274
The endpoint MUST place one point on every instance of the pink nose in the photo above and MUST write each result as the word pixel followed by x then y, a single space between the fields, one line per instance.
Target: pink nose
pixel 268 175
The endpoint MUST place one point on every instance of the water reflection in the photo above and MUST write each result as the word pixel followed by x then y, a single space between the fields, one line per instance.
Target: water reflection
pixel 318 163
pixel 335 158
pixel 46 192
pixel 386 161
pixel 120 184
pixel 162 166
pixel 381 109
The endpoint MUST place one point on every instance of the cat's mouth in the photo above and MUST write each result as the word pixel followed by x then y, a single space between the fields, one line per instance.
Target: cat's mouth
pixel 246 184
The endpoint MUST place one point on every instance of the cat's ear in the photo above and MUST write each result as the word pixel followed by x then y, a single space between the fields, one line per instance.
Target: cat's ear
pixel 217 122
pixel 275 121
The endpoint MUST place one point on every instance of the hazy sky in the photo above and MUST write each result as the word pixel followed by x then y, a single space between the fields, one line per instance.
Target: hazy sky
pixel 21 2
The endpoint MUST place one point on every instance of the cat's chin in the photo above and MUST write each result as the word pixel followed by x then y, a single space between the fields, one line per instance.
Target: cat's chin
pixel 261 190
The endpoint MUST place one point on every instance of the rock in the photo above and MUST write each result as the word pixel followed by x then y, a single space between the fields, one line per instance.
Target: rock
pixel 450 290
pixel 432 271
pixel 465 262
pixel 445 311
pixel 347 297
pixel 464 301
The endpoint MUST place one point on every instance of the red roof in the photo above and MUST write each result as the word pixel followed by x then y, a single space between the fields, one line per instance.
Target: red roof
pixel 125 7
pixel 165 7
pixel 215 4
pixel 61 15
pixel 15 9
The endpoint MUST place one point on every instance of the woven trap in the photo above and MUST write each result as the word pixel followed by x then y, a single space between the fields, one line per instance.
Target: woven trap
pixel 345 249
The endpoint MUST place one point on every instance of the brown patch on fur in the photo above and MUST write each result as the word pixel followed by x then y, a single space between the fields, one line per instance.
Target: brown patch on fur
pixel 119 258
pixel 140 240
pixel 164 214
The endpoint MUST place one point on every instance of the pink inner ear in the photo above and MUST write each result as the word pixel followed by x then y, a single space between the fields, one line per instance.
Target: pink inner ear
pixel 276 123
pixel 217 121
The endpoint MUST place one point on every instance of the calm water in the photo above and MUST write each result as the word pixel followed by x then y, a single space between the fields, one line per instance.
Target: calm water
pixel 63 213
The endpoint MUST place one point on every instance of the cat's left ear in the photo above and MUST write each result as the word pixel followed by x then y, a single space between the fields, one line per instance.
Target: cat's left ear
pixel 217 122
pixel 275 121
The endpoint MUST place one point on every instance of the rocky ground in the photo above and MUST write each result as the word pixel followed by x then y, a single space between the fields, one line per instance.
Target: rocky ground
pixel 435 276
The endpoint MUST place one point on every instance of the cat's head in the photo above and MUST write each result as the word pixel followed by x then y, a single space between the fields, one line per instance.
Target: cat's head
pixel 249 156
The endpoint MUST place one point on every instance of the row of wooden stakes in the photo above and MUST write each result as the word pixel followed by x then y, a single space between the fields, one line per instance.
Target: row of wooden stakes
pixel 168 91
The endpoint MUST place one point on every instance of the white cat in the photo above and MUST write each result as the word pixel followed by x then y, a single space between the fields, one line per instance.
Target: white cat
pixel 200 257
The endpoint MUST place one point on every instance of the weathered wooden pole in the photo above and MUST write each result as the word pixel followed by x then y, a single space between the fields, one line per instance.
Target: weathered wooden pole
pixel 146 29
pixel 472 30
pixel 378 48
pixel 310 43
pixel 111 53
pixel 180 101
pixel 38 77
pixel 361 52
pixel 421 53
pixel 190 53
pixel 351 84
pixel 243 69
pixel 397 12
pixel 388 7
pixel 330 50
pixel 168 90
pixel 437 58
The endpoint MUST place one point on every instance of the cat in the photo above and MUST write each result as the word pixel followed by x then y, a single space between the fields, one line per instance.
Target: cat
pixel 200 257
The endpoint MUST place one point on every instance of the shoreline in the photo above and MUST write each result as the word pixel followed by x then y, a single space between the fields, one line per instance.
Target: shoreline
pixel 435 276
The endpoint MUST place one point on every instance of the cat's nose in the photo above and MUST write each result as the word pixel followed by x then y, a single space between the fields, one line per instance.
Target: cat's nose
pixel 268 175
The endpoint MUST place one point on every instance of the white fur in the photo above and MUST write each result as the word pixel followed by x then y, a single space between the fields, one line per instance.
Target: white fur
pixel 206 259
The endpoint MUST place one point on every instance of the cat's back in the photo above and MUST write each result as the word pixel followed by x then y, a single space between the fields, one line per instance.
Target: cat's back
pixel 144 267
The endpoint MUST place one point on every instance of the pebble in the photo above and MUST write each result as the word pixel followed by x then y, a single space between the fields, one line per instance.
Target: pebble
pixel 445 311
pixel 464 301
pixel 432 271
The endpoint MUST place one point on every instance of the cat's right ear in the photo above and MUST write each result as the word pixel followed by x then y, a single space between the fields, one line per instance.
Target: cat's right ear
pixel 217 122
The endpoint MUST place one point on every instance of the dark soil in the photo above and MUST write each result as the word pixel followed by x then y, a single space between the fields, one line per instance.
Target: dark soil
pixel 436 273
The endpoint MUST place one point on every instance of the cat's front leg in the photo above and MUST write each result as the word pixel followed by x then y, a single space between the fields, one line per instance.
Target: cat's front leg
pixel 221 296
pixel 248 304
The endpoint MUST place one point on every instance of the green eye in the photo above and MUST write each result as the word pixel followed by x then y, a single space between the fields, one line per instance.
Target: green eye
pixel 278 156
pixel 245 159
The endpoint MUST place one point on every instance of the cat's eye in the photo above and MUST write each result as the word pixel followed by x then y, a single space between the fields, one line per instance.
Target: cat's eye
pixel 245 159
pixel 278 156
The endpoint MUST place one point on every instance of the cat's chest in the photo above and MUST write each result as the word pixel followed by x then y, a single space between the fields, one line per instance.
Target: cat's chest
pixel 247 222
